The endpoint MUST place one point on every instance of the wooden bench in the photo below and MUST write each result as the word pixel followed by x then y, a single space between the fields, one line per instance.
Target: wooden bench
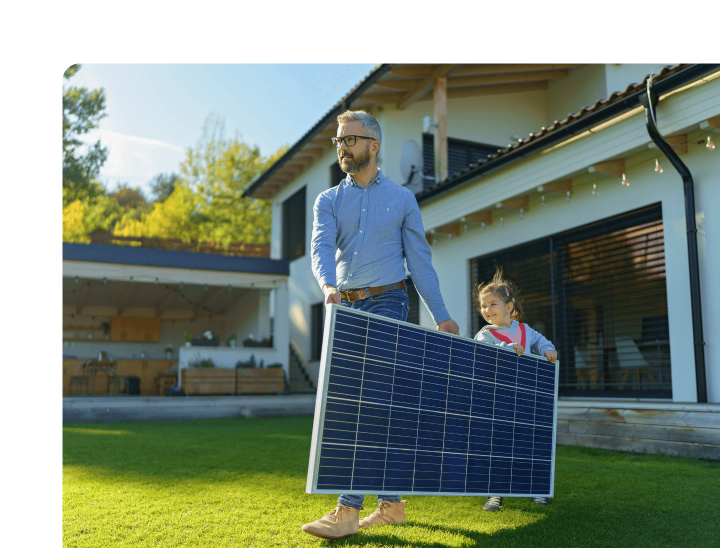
pixel 210 380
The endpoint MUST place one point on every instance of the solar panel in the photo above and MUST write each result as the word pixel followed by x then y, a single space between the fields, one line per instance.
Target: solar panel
pixel 403 409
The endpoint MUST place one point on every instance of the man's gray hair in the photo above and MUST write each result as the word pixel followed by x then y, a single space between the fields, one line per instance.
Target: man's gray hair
pixel 370 124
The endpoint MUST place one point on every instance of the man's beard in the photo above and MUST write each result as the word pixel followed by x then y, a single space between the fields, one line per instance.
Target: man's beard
pixel 355 164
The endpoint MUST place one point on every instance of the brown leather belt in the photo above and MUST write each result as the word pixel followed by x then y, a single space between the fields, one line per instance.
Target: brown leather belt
pixel 353 295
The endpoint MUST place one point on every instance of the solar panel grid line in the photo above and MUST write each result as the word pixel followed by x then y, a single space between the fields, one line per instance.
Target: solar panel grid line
pixel 445 389
pixel 357 424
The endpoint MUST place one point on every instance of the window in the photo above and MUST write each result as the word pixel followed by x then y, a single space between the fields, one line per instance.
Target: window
pixel 414 313
pixel 336 174
pixel 461 154
pixel 293 227
pixel 317 323
pixel 598 293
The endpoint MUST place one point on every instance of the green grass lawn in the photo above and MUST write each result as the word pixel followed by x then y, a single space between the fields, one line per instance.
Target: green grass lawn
pixel 241 483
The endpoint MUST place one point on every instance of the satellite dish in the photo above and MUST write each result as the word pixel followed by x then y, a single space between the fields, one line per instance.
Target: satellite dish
pixel 411 161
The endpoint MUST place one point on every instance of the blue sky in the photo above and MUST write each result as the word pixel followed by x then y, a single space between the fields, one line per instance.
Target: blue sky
pixel 155 111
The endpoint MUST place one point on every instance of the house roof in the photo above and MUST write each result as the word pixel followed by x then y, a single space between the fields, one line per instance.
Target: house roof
pixel 402 85
pixel 141 256
pixel 575 123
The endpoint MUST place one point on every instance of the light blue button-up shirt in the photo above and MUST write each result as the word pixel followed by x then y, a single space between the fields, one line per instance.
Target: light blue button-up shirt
pixel 362 237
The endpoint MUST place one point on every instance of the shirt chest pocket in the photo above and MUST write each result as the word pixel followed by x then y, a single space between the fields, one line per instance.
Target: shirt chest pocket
pixel 386 220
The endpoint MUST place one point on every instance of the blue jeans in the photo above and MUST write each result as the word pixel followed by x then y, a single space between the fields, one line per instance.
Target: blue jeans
pixel 392 304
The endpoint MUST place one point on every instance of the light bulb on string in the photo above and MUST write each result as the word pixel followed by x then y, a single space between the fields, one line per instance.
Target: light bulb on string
pixel 522 213
pixel 710 145
pixel 502 221
pixel 625 182
pixel 542 201
pixel 568 195
pixel 482 226
pixel 595 190
pixel 658 167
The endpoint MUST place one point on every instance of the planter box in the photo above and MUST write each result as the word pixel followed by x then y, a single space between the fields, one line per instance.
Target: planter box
pixel 209 380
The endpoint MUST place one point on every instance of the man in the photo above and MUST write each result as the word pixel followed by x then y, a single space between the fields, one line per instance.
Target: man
pixel 364 231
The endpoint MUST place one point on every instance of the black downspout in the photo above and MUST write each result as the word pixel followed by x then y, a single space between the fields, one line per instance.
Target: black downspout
pixel 650 101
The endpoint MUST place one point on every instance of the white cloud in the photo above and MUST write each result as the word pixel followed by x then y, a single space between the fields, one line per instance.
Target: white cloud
pixel 135 160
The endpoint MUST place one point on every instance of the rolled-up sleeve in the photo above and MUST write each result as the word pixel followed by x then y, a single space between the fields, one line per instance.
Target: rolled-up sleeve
pixel 323 243
pixel 419 262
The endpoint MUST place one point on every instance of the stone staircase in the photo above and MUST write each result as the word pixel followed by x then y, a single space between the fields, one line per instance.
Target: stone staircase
pixel 300 381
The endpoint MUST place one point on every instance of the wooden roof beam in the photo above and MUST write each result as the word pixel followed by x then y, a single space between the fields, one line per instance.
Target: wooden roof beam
pixel 478 217
pixel 519 203
pixel 302 160
pixel 452 229
pixel 614 168
pixel 210 296
pixel 399 84
pixel 125 299
pixel 314 151
pixel 561 187
pixel 412 71
pixel 468 70
pixel 421 87
pixel 511 78
pixel 164 301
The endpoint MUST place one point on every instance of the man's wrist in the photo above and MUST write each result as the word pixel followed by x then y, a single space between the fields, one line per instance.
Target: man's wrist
pixel 329 286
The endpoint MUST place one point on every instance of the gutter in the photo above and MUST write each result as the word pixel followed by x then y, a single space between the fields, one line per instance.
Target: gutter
pixel 650 99
pixel 341 107
pixel 676 80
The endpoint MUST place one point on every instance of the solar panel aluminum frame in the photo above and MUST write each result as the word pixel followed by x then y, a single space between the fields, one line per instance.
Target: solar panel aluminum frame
pixel 321 405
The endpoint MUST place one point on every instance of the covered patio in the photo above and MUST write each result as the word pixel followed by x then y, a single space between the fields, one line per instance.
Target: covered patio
pixel 127 312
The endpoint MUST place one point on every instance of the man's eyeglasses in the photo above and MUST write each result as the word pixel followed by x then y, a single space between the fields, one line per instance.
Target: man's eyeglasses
pixel 349 140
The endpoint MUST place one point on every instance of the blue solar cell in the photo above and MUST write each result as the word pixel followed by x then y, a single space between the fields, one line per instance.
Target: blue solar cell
pixel 404 409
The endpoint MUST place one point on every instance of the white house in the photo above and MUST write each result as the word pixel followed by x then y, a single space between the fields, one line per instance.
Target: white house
pixel 550 172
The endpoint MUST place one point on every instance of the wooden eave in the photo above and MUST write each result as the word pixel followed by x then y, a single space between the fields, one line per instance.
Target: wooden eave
pixel 402 86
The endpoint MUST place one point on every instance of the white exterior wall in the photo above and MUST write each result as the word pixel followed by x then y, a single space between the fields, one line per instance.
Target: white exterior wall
pixel 682 112
pixel 490 119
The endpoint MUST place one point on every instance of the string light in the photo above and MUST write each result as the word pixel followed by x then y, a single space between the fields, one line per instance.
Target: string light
pixel 595 191
pixel 542 201
pixel 104 280
pixel 625 182
pixel 77 279
pixel 658 167
pixel 710 145
pixel 502 221
pixel 522 213
pixel 482 226
pixel 568 195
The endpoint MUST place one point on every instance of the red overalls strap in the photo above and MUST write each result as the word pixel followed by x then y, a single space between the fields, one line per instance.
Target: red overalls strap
pixel 507 340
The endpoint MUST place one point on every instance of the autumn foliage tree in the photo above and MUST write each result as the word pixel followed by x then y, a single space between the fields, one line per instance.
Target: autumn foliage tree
pixel 205 203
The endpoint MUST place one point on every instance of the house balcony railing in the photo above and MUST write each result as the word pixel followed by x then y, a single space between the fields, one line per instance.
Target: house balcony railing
pixel 238 249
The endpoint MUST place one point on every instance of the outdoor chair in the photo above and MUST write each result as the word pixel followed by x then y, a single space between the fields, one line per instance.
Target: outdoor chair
pixel 632 362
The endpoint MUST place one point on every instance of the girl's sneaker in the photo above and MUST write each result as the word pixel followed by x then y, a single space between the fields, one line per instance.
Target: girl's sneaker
pixel 493 504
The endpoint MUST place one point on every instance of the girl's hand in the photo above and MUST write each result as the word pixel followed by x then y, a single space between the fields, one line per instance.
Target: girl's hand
pixel 519 348
pixel 551 355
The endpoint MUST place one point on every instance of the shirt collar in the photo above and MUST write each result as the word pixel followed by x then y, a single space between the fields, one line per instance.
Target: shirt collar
pixel 349 181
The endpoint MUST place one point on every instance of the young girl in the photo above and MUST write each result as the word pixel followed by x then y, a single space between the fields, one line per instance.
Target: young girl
pixel 501 307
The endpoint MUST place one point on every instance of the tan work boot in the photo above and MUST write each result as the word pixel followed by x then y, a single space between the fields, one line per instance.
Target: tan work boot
pixel 340 523
pixel 386 513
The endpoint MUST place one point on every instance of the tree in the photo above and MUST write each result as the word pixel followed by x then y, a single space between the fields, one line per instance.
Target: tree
pixel 206 202
pixel 82 111
pixel 162 185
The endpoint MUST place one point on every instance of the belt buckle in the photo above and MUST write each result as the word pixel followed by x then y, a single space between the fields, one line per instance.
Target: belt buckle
pixel 349 298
